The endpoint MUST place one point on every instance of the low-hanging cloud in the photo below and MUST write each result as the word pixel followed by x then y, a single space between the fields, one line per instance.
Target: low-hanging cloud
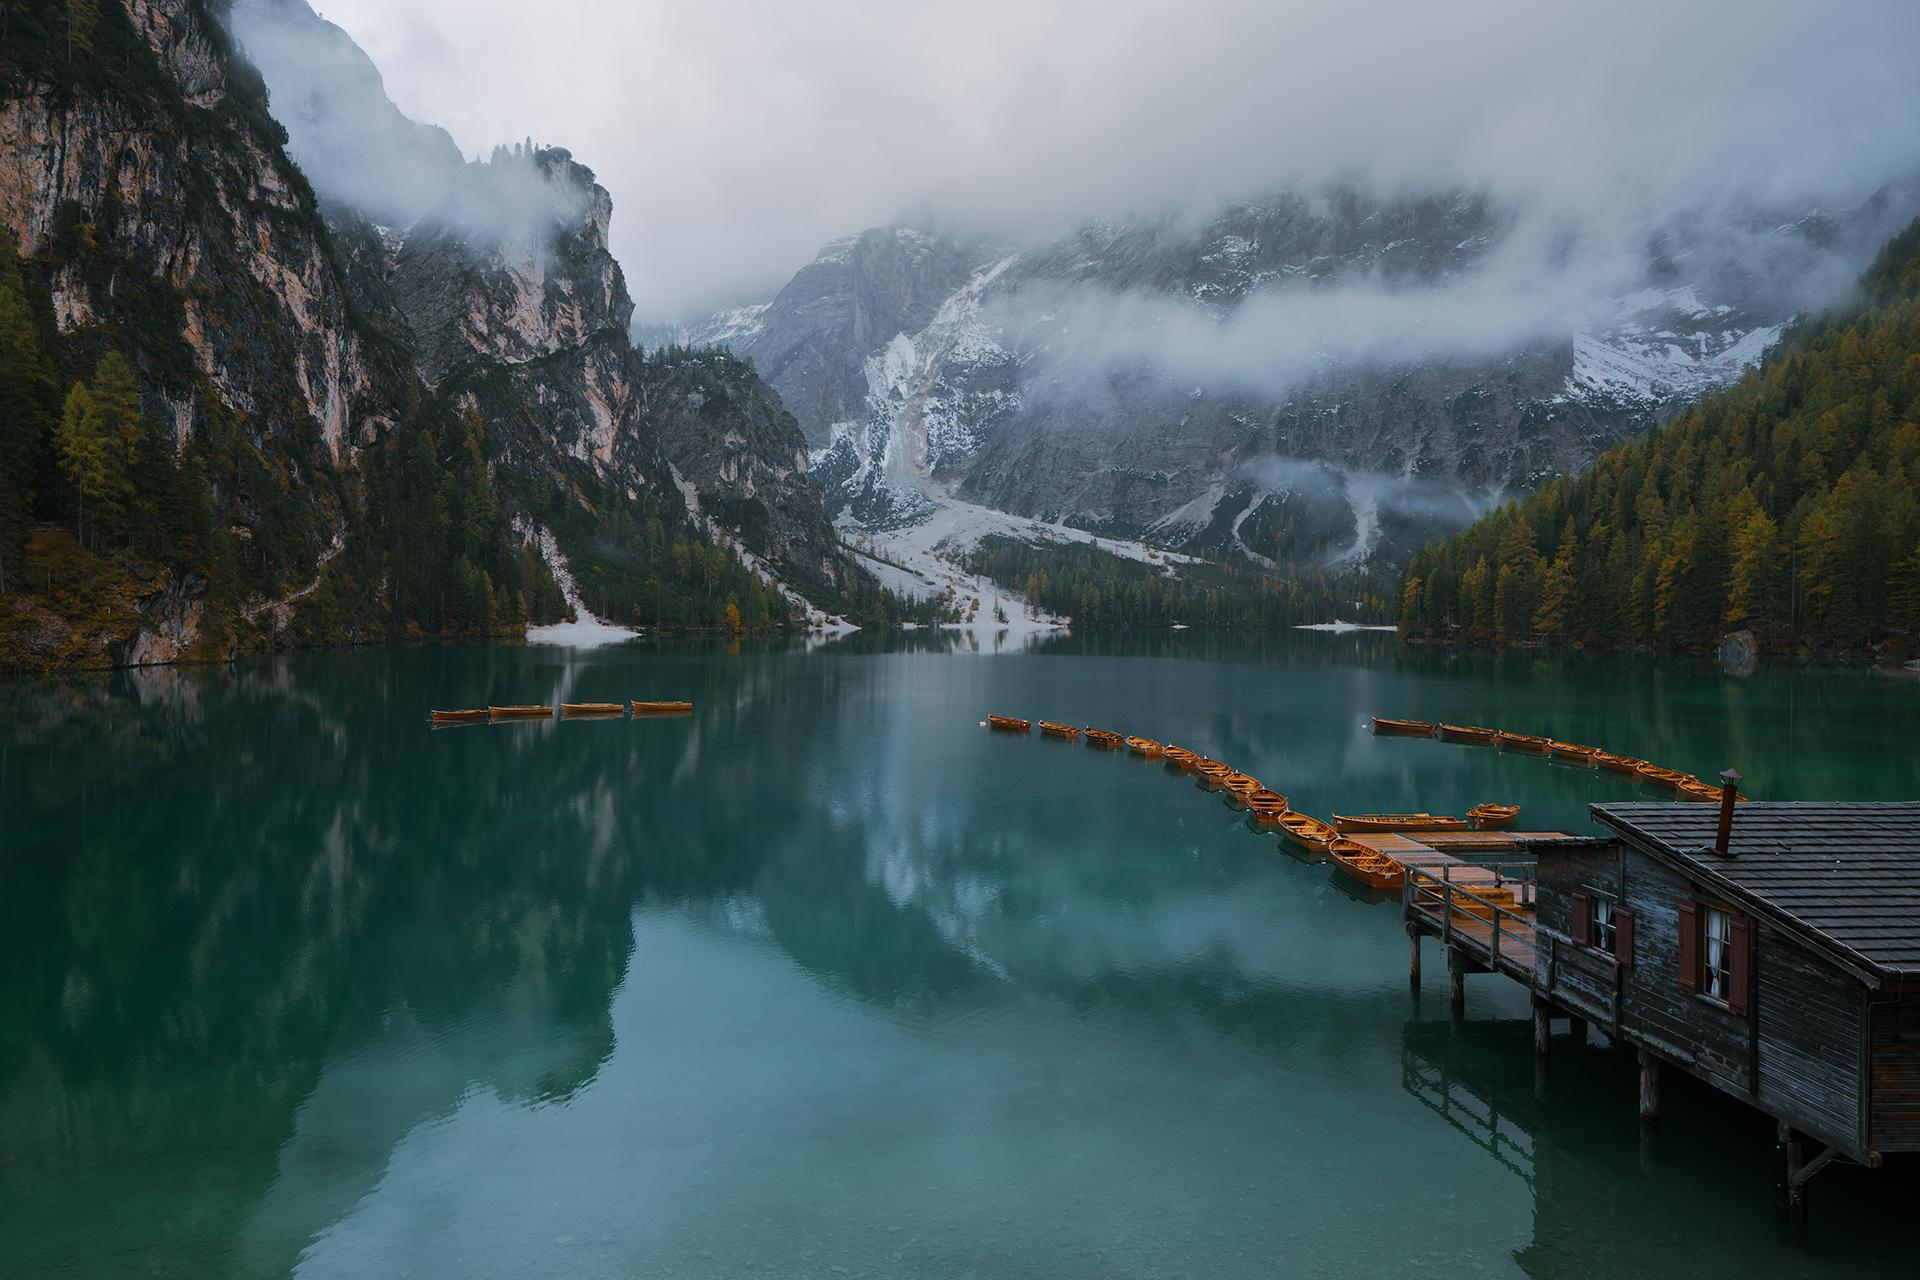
pixel 357 148
pixel 738 138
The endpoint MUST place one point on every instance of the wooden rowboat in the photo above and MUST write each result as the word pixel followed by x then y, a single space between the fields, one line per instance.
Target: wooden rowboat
pixel 470 716
pixel 1662 777
pixel 1396 822
pixel 1145 747
pixel 1572 754
pixel 1694 789
pixel 1213 771
pixel 1056 730
pixel 1241 785
pixel 1522 742
pixel 1375 870
pixel 1012 724
pixel 1617 764
pixel 1309 832
pixel 1419 728
pixel 1268 807
pixel 592 708
pixel 1179 757
pixel 660 708
pixel 533 711
pixel 1492 817
pixel 1105 738
pixel 1468 733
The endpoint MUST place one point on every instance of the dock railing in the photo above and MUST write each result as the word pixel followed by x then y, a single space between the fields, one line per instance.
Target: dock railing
pixel 1474 913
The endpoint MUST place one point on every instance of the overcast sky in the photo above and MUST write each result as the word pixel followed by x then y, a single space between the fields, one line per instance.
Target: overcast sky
pixel 738 137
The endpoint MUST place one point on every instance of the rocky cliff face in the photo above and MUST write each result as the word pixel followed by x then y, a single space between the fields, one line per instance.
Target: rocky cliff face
pixel 500 276
pixel 1123 378
pixel 149 192
pixel 288 340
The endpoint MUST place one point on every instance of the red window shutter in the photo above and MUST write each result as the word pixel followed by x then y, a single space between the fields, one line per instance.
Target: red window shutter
pixel 1582 918
pixel 1739 964
pixel 1689 947
pixel 1623 935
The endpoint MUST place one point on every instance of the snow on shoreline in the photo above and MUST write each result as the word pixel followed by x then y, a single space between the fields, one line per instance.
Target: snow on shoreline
pixel 586 631
pixel 922 560
pixel 1341 628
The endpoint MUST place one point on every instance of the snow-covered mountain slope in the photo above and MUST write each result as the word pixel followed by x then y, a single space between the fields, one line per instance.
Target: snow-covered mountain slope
pixel 1304 379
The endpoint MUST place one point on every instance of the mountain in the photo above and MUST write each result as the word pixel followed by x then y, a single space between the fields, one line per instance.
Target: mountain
pixel 1788 505
pixel 266 415
pixel 1303 380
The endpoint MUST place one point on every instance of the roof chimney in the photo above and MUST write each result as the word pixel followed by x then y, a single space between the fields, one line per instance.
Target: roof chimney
pixel 1729 789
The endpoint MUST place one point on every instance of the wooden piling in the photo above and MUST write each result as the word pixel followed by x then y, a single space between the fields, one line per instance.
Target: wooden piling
pixel 1649 1088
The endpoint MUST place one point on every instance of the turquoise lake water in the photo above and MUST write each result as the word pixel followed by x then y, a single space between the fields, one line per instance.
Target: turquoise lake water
pixel 827 980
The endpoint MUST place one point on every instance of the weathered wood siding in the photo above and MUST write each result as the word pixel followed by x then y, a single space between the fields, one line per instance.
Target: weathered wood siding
pixel 1809 1017
pixel 1580 979
pixel 1797 1052
pixel 1896 1075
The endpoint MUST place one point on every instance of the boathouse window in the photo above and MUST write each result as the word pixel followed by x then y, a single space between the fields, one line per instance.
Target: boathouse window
pixel 1602 923
pixel 1717 973
pixel 1715 954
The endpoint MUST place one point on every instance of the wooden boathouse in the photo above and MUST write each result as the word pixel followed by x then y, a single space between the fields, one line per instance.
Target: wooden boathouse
pixel 1770 950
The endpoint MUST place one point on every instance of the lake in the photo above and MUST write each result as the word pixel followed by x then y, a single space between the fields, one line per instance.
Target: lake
pixel 826 979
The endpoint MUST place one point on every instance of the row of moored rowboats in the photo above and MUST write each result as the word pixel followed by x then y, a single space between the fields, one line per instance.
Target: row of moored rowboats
pixel 1686 785
pixel 1268 808
pixel 568 710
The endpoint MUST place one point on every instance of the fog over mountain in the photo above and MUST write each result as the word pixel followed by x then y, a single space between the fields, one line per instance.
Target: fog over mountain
pixel 1278 283
pixel 737 139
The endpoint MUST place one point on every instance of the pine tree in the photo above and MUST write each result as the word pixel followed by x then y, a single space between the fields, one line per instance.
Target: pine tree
pixel 1557 590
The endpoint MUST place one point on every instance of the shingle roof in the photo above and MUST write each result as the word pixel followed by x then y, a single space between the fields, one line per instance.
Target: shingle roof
pixel 1849 873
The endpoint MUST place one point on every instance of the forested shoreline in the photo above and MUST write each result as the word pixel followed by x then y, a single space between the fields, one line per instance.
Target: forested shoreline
pixel 1787 505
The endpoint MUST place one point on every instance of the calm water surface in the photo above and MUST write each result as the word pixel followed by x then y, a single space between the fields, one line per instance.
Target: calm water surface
pixel 827 980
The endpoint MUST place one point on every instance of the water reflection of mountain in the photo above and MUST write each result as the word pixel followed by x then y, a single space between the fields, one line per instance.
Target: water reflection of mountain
pixel 258 925
pixel 1609 1201
pixel 226 894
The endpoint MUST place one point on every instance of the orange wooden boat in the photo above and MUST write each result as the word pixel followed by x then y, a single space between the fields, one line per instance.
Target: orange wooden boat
pixel 592 708
pixel 472 715
pixel 1419 728
pixel 1492 817
pixel 1268 807
pixel 1053 729
pixel 1659 777
pixel 1375 870
pixel 1011 724
pixel 1179 757
pixel 1145 747
pixel 1617 764
pixel 1241 785
pixel 1212 770
pixel 1694 789
pixel 1571 753
pixel 1308 832
pixel 530 711
pixel 1396 822
pixel 1468 733
pixel 1521 742
pixel 1105 738
pixel 660 708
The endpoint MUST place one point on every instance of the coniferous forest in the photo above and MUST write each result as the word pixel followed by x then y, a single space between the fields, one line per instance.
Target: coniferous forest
pixel 1097 588
pixel 1788 505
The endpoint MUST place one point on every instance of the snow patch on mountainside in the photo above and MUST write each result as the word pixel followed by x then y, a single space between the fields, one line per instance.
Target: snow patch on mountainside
pixel 1662 344
pixel 923 560
pixel 585 631
pixel 817 620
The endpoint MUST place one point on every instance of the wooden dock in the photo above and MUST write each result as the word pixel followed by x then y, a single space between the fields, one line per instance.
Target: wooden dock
pixel 1476 892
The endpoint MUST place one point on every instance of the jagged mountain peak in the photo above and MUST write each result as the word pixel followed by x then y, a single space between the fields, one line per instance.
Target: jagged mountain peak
pixel 1304 377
